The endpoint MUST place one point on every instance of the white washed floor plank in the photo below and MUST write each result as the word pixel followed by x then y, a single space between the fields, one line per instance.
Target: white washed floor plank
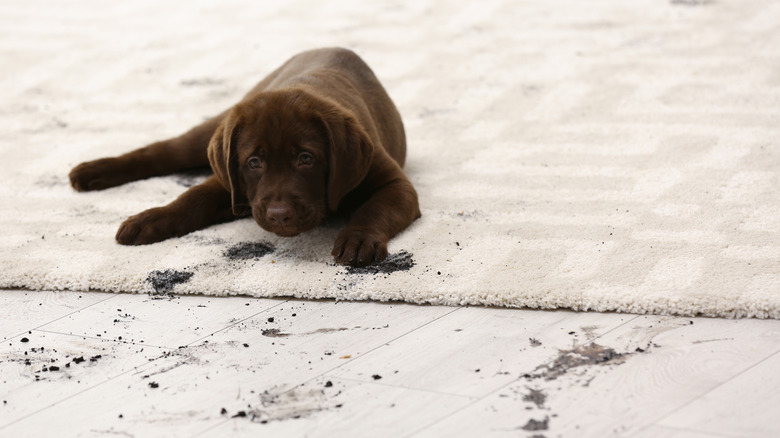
pixel 348 409
pixel 329 331
pixel 476 350
pixel 681 362
pixel 668 432
pixel 744 406
pixel 698 367
pixel 30 384
pixel 229 368
pixel 164 322
pixel 24 310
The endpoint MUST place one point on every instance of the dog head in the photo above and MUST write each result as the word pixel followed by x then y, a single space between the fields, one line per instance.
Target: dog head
pixel 289 157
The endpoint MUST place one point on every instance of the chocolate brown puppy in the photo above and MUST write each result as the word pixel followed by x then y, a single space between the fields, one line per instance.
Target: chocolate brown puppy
pixel 319 136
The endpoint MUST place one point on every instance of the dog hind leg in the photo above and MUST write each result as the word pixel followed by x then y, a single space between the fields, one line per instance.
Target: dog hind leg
pixel 186 151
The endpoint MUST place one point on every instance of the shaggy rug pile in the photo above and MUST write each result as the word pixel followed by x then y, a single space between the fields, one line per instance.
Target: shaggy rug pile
pixel 606 155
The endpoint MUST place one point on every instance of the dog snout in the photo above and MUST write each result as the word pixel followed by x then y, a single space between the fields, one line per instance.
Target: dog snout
pixel 279 214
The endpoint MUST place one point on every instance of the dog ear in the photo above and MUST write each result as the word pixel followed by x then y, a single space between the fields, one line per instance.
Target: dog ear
pixel 223 157
pixel 349 155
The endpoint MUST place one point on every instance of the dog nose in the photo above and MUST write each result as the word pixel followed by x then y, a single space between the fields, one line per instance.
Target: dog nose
pixel 279 214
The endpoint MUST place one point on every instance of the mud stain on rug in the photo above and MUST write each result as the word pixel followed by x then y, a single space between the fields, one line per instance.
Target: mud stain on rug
pixel 164 281
pixel 401 261
pixel 248 251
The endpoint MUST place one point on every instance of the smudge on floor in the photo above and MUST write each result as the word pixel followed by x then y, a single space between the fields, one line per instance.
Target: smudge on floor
pixel 580 356
pixel 280 403
pixel 277 333
pixel 274 333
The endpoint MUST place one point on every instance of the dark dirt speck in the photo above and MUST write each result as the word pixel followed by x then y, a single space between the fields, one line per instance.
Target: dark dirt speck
pixel 537 424
pixel 164 281
pixel 154 385
pixel 248 250
pixel 401 261
pixel 536 397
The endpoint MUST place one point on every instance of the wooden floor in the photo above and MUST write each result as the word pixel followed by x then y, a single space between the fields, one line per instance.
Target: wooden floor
pixel 96 364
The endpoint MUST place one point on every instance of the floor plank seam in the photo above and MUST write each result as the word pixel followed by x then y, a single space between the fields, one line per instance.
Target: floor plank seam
pixel 211 428
pixel 409 388
pixel 324 373
pixel 98 338
pixel 234 324
pixel 57 319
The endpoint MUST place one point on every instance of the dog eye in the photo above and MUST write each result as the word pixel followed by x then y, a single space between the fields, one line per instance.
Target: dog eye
pixel 254 163
pixel 305 159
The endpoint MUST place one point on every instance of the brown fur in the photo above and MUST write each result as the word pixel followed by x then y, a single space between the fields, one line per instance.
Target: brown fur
pixel 318 136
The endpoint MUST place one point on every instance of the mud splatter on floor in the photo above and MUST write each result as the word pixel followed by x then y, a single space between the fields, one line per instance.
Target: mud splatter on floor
pixel 280 403
pixel 580 356
pixel 590 331
pixel 325 330
pixel 534 425
pixel 536 397
pixel 277 333
pixel 46 363
pixel 274 333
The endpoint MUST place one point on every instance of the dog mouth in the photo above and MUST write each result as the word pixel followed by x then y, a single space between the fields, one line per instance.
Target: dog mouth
pixel 285 232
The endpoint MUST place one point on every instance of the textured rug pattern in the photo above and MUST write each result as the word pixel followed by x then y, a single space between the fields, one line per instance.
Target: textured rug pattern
pixel 603 155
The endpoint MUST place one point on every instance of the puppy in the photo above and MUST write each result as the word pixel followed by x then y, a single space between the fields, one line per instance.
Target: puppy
pixel 319 136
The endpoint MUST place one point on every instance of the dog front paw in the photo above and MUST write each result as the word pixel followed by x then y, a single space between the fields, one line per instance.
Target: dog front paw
pixel 356 247
pixel 97 175
pixel 150 226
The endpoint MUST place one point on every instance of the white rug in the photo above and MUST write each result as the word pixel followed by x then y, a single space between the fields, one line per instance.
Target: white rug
pixel 601 155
